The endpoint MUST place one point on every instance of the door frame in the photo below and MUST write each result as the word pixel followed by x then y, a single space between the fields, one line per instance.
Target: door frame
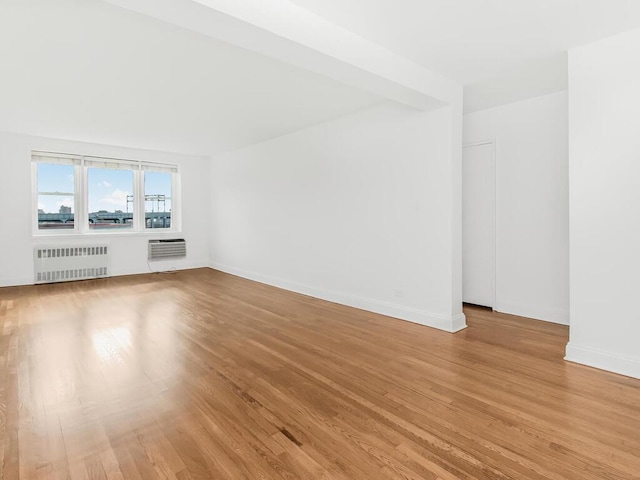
pixel 494 272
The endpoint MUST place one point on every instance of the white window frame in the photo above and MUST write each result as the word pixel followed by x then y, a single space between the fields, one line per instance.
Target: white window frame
pixel 82 163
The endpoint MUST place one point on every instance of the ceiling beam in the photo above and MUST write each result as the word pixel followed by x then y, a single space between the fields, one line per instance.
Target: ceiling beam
pixel 289 33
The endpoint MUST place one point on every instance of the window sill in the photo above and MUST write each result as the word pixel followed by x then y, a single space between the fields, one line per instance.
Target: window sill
pixel 106 234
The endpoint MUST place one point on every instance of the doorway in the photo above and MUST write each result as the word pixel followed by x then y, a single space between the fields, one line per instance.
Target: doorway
pixel 479 224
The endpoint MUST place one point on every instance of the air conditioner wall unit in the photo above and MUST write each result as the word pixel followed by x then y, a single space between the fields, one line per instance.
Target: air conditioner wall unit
pixel 167 249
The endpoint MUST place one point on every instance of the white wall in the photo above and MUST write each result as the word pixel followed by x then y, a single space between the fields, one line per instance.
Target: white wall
pixel 532 211
pixel 604 141
pixel 129 251
pixel 359 211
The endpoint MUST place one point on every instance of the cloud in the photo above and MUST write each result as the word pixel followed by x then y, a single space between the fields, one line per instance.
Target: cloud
pixel 117 198
pixel 104 184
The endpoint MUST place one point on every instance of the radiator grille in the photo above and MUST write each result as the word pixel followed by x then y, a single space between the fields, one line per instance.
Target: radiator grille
pixel 66 263
pixel 166 249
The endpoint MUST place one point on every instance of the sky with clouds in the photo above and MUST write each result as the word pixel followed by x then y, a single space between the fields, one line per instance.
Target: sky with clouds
pixel 108 189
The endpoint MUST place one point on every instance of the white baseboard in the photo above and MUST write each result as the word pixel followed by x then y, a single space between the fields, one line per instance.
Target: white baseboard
pixel 158 267
pixel 441 322
pixel 604 360
pixel 553 315
pixel 458 322
pixel 15 282
pixel 161 267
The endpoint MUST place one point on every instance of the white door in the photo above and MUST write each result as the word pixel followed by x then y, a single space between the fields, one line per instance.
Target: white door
pixel 478 224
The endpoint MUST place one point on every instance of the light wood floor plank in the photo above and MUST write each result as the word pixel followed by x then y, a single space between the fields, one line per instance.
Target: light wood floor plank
pixel 202 375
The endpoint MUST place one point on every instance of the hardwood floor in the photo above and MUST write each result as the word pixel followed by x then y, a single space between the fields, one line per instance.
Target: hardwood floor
pixel 202 375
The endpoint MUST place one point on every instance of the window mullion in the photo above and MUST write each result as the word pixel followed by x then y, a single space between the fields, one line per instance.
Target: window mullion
pixel 138 200
pixel 34 195
pixel 176 219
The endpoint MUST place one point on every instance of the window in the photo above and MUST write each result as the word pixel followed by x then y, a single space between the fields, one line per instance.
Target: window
pixel 157 199
pixel 76 194
pixel 108 193
pixel 56 196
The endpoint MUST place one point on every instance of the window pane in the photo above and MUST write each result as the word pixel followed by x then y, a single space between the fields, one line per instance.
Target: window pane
pixel 157 200
pixel 110 199
pixel 56 196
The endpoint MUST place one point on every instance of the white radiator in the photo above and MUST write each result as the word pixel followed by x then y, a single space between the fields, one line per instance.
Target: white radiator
pixel 169 248
pixel 63 263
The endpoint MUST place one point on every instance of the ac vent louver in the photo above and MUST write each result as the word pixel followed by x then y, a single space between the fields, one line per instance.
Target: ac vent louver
pixel 167 249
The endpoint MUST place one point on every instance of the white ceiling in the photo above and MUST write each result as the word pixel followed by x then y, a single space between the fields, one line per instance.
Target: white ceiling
pixel 501 50
pixel 86 70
